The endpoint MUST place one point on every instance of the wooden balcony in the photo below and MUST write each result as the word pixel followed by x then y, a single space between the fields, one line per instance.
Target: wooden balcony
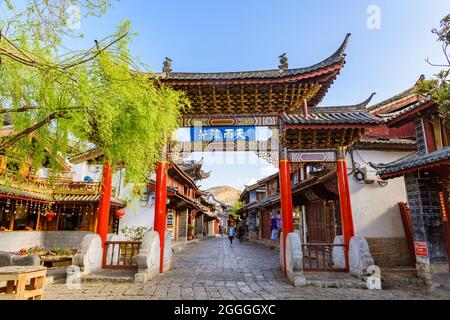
pixel 60 184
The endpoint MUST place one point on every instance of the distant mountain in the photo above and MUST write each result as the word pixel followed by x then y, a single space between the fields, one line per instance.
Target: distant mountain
pixel 226 194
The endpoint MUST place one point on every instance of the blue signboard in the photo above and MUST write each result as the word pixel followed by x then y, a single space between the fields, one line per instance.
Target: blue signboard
pixel 223 133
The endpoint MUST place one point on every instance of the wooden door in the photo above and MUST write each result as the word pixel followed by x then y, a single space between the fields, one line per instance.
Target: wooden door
pixel 321 222
pixel 265 225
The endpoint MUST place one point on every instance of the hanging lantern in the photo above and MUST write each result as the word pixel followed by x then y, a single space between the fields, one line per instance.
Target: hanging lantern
pixel 119 213
pixel 50 215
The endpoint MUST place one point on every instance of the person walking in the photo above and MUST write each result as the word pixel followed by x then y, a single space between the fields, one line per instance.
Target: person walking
pixel 221 230
pixel 231 231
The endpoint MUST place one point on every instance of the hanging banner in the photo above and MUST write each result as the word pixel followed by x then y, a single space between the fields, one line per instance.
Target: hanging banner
pixel 443 204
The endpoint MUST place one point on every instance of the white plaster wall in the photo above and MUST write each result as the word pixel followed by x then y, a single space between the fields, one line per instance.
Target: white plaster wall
pixel 83 169
pixel 375 208
pixel 138 216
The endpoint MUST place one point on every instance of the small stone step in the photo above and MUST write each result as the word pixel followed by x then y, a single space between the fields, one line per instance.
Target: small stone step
pixel 111 276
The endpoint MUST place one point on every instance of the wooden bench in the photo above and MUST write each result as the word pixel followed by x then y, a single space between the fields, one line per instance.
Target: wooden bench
pixel 22 282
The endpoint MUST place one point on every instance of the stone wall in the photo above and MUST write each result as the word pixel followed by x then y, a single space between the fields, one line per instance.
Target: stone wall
pixel 389 252
pixel 426 217
pixel 14 241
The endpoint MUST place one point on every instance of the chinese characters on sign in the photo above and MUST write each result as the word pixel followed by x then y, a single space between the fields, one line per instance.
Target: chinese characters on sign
pixel 223 134
pixel 421 249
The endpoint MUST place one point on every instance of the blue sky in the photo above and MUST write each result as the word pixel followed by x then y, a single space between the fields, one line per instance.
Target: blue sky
pixel 233 35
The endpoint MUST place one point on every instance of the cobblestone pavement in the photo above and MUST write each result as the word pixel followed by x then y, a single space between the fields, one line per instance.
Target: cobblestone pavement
pixel 214 269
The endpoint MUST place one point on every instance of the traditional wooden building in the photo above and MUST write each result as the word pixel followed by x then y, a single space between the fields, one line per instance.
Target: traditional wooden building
pixel 39 201
pixel 215 216
pixel 426 175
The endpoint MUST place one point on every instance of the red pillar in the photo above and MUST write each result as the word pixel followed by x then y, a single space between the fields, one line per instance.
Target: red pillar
pixel 160 208
pixel 344 201
pixel 105 201
pixel 286 203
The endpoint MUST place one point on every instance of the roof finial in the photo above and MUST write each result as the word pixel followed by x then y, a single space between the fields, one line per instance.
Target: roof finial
pixel 167 66
pixel 283 62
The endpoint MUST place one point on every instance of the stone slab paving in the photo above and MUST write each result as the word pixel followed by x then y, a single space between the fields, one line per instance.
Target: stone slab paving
pixel 214 269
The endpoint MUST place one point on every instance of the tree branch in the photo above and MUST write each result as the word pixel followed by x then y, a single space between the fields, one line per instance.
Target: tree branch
pixel 436 65
pixel 22 109
pixel 29 130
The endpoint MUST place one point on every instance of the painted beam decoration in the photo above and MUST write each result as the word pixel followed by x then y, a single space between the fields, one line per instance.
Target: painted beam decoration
pixel 229 120
pixel 312 155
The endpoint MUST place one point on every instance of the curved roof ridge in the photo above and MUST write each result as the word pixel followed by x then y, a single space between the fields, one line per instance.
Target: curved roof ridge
pixel 398 96
pixel 336 57
pixel 362 106
pixel 340 52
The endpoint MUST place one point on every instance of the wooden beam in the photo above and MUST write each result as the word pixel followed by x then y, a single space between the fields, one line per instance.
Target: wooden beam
pixel 38 220
pixel 270 97
pixel 12 216
pixel 257 105
pixel 314 138
pixel 242 97
pixel 200 98
pixel 214 98
pixel 229 106
pixel 285 94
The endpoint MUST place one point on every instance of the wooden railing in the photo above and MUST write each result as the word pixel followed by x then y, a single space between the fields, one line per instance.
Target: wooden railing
pixel 319 257
pixel 405 213
pixel 120 254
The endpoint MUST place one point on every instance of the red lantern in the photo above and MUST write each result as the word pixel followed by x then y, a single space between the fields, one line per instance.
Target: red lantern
pixel 50 215
pixel 119 213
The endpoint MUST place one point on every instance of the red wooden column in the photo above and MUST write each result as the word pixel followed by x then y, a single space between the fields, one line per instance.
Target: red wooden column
pixel 160 208
pixel 344 200
pixel 105 201
pixel 286 200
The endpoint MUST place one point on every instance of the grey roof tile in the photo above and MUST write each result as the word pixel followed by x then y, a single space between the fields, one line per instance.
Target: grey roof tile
pixel 413 161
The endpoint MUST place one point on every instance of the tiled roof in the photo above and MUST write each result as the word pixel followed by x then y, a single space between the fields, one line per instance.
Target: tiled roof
pixel 388 141
pixel 323 176
pixel 23 193
pixel 401 95
pixel 263 202
pixel 394 115
pixel 337 57
pixel 413 162
pixel 16 192
pixel 329 115
pixel 382 143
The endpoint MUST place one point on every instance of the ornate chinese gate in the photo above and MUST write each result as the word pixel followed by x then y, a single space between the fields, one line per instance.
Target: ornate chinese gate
pixel 226 109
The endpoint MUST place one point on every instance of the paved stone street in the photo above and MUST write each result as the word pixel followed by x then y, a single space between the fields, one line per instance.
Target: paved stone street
pixel 213 269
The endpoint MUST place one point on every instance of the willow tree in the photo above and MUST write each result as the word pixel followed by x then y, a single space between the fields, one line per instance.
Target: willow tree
pixel 100 96
pixel 49 20
pixel 438 88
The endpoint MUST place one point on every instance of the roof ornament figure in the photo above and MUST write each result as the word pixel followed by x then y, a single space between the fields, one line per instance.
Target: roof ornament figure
pixel 167 66
pixel 283 62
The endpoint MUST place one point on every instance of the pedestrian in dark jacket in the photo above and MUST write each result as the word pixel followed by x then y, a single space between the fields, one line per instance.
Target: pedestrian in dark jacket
pixel 231 232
